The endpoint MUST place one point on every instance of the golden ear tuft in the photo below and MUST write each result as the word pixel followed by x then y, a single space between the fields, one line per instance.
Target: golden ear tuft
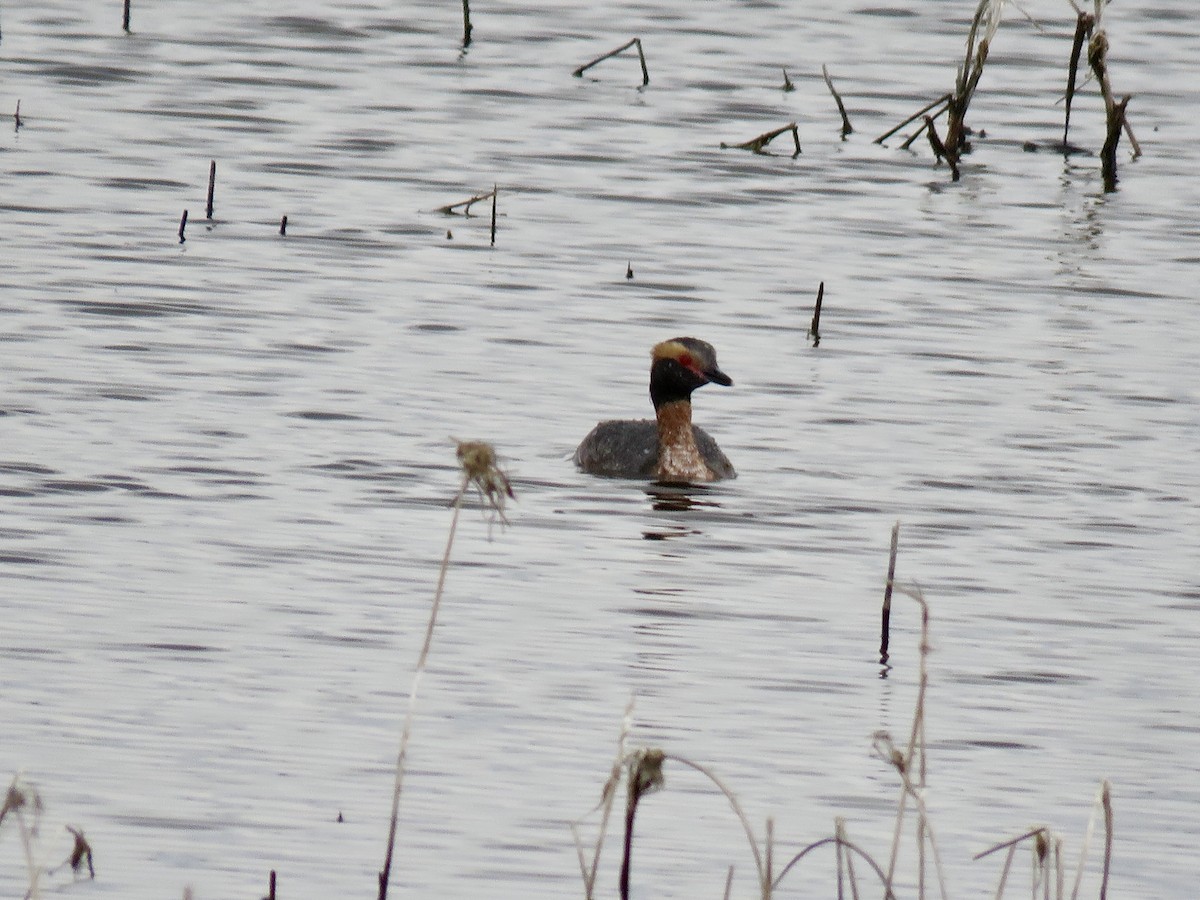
pixel 668 350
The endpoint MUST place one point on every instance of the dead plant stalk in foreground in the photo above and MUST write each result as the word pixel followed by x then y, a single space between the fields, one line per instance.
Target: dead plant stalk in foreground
pixel 478 461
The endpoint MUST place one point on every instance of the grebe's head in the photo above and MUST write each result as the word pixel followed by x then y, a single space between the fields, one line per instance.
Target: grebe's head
pixel 681 365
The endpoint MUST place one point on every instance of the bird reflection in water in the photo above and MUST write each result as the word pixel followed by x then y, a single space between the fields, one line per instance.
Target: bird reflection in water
pixel 676 497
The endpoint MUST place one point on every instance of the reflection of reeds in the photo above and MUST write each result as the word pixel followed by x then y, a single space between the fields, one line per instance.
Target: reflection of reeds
pixel 479 470
pixel 632 42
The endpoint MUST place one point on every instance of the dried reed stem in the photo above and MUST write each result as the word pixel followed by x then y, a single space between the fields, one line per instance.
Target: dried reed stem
pixel 758 144
pixel 466 42
pixel 605 805
pixel 494 192
pixel 182 226
pixel 449 208
pixel 846 127
pixel 385 874
pixel 788 87
pixel 17 117
pixel 887 596
pixel 212 186
pixel 814 329
pixel 1083 29
pixel 283 226
pixel 884 879
pixel 632 42
pixel 1106 801
pixel 125 18
pixel 479 468
pixel 939 102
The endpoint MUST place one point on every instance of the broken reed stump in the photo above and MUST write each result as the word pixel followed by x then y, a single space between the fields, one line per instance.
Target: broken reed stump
pixel 1108 155
pixel 212 186
pixel 815 328
pixel 125 18
pixel 283 226
pixel 271 886
pixel 449 208
pixel 887 596
pixel 182 226
pixel 466 23
pixel 757 145
pixel 940 151
pixel 941 101
pixel 788 87
pixel 846 127
pixel 494 192
pixel 17 117
pixel 632 42
pixel 1114 111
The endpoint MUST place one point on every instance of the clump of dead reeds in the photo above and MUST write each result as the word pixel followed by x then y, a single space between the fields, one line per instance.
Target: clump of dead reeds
pixel 23 805
pixel 644 772
pixel 479 470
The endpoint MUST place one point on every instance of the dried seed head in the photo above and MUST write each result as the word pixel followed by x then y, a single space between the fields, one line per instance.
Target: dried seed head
pixel 478 461
pixel 645 772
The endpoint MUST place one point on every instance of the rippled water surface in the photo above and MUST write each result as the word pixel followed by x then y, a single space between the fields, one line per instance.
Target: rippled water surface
pixel 226 463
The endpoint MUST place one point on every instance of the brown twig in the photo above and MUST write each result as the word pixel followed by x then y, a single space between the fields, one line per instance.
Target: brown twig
pixel 449 208
pixel 846 127
pixel 940 101
pixel 758 144
pixel 632 42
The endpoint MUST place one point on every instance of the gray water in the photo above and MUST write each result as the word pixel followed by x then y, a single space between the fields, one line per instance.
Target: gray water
pixel 226 463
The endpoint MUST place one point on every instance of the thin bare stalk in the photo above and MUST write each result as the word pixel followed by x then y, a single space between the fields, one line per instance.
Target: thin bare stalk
pixel 939 102
pixel 478 461
pixel 632 42
pixel 737 809
pixel 1106 801
pixel 888 894
pixel 837 98
pixel 385 874
pixel 887 589
pixel 605 805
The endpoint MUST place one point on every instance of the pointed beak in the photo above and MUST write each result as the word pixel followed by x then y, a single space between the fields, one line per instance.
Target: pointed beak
pixel 718 377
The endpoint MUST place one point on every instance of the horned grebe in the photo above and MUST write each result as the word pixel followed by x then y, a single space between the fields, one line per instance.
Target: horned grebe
pixel 669 447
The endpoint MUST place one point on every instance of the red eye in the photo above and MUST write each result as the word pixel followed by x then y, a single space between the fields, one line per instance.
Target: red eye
pixel 685 360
